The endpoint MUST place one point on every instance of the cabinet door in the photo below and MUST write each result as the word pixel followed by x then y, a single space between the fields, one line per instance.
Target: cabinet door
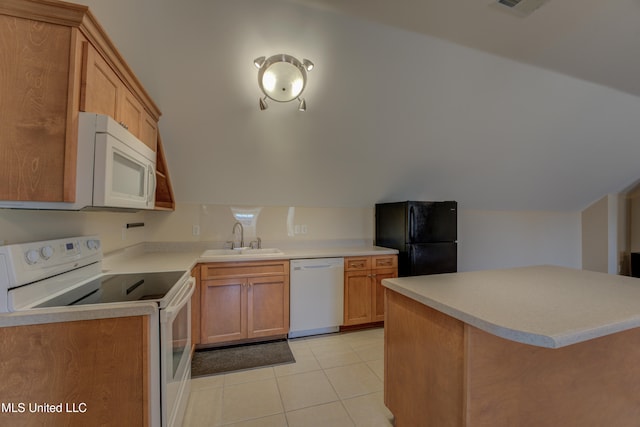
pixel 34 85
pixel 357 297
pixel 268 306
pixel 223 310
pixel 131 113
pixel 149 131
pixel 101 87
pixel 377 301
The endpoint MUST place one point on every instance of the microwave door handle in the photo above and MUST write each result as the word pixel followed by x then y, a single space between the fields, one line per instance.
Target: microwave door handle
pixel 154 184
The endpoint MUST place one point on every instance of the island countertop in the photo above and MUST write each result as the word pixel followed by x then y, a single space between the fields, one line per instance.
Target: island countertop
pixel 545 306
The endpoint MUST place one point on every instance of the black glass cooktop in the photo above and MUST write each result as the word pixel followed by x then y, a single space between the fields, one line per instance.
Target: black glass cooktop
pixel 119 288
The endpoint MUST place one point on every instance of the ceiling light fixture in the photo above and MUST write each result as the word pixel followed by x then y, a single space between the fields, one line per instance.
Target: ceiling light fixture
pixel 282 78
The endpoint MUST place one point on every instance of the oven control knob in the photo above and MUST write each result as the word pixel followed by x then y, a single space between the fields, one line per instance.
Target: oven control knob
pixel 46 252
pixel 93 244
pixel 32 256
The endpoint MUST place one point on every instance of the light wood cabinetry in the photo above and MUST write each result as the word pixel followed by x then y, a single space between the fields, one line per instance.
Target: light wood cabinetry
pixel 103 364
pixel 104 92
pixel 440 371
pixel 164 190
pixel 56 61
pixel 244 300
pixel 363 290
pixel 35 87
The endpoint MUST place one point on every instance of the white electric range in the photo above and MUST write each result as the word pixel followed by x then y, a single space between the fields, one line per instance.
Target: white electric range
pixel 68 272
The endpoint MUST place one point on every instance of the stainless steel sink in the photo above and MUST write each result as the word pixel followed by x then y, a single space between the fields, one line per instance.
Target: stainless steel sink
pixel 240 252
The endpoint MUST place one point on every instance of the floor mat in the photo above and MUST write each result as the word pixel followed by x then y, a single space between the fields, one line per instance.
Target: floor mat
pixel 237 358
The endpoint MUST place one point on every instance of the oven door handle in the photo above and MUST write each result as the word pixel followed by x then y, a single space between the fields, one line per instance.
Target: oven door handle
pixel 172 309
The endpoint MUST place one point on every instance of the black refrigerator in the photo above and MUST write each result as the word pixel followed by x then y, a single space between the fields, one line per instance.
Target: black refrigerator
pixel 424 233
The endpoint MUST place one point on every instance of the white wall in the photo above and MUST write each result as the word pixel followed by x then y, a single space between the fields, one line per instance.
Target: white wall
pixel 487 239
pixel 392 115
pixel 275 225
pixel 503 239
pixel 634 220
pixel 19 226
pixel 605 234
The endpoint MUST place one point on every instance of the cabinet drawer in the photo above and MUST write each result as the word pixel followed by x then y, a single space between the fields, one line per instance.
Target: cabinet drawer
pixel 357 263
pixel 244 269
pixel 384 261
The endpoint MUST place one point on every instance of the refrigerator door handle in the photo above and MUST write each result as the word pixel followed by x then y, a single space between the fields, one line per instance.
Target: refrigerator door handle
pixel 411 260
pixel 411 219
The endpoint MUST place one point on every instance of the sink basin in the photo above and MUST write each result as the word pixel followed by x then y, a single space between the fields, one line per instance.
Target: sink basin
pixel 218 252
pixel 240 251
pixel 261 251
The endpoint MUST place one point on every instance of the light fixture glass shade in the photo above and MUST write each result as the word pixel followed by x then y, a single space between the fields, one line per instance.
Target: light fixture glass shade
pixel 282 77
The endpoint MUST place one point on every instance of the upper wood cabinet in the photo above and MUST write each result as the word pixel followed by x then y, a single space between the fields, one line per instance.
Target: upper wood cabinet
pixel 164 191
pixel 104 92
pixel 57 60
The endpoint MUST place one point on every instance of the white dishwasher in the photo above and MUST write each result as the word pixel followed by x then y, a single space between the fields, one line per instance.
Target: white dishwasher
pixel 317 296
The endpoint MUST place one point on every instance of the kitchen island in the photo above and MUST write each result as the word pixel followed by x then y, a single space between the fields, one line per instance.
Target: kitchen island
pixel 531 346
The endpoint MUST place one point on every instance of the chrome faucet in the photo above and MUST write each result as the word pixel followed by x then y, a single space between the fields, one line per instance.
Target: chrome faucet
pixel 241 232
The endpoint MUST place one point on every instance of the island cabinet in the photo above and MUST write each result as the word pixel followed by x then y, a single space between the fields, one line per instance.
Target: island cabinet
pixel 363 291
pixel 93 372
pixel 242 301
pixel 527 347
pixel 57 61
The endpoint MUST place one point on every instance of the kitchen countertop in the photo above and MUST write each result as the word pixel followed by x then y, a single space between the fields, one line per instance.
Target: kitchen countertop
pixel 545 306
pixel 137 259
pixel 165 257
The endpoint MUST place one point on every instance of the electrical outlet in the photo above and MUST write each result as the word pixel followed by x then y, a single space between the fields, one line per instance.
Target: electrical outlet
pixel 296 229
pixel 304 229
pixel 195 230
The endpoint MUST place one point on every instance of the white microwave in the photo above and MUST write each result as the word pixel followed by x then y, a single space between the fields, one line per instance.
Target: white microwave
pixel 115 170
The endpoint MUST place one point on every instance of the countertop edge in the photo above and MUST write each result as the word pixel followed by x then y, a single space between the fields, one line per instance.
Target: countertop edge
pixel 39 316
pixel 497 330
pixel 563 338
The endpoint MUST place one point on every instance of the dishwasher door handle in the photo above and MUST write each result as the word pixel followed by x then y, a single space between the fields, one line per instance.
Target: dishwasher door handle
pixel 310 267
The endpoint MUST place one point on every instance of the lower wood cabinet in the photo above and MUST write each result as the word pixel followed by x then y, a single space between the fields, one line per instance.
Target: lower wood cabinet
pixel 363 290
pixel 101 366
pixel 243 300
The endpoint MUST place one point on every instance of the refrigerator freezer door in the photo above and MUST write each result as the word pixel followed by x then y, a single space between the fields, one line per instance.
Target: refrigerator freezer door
pixel 432 258
pixel 432 222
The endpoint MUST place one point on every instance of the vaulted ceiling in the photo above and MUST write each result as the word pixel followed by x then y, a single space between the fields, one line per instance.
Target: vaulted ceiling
pixel 594 40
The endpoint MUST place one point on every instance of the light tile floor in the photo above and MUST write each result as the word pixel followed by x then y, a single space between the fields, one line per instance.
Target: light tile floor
pixel 336 381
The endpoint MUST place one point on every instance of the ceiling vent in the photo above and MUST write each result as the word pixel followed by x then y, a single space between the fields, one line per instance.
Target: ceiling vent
pixel 522 7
